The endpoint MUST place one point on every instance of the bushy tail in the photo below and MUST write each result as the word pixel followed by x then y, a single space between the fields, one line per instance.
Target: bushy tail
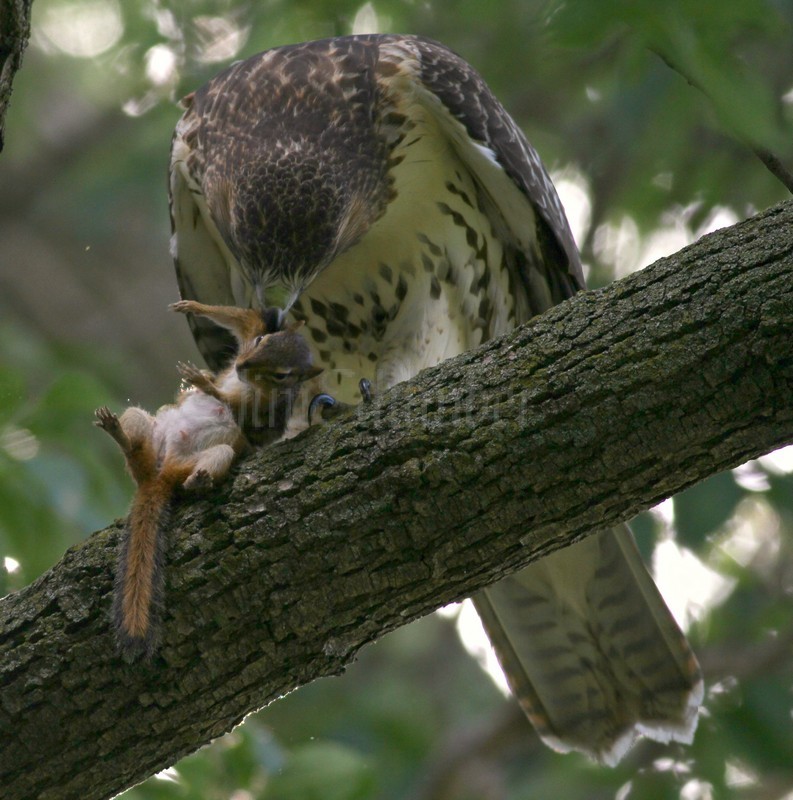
pixel 591 651
pixel 137 602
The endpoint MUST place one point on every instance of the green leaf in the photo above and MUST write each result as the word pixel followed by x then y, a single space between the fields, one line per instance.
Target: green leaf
pixel 646 529
pixel 323 771
pixel 703 508
pixel 12 394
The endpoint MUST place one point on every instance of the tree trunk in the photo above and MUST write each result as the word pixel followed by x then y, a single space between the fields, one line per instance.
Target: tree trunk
pixel 14 35
pixel 600 408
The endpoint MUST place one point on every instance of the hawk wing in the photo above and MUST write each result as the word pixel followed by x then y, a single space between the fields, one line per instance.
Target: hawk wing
pixel 205 267
pixel 509 170
pixel 448 230
pixel 587 644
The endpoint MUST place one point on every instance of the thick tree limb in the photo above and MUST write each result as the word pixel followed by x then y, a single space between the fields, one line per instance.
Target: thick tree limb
pixel 602 407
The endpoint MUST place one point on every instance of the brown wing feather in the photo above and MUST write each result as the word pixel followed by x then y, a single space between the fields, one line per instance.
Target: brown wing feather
pixel 469 100
pixel 589 672
pixel 591 651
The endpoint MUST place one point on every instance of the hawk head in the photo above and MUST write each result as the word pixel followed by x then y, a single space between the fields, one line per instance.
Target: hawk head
pixel 292 179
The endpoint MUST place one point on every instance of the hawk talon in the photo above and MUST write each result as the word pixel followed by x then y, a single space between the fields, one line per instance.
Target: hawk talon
pixel 320 401
pixel 365 388
pixel 329 408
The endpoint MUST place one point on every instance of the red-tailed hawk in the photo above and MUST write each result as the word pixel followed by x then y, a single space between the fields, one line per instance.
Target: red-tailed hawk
pixel 374 187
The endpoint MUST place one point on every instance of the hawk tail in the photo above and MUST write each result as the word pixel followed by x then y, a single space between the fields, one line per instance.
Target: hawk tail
pixel 591 651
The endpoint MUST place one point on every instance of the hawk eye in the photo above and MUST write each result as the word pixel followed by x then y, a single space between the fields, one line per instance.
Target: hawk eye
pixel 258 340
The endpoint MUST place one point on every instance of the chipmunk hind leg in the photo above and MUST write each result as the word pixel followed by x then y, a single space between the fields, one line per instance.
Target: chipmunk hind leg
pixel 210 467
pixel 138 426
pixel 133 434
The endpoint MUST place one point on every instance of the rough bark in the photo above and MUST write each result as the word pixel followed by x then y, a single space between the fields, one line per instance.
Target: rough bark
pixel 603 407
pixel 14 34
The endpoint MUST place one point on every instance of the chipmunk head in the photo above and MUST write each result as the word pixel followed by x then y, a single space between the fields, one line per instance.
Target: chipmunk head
pixel 280 359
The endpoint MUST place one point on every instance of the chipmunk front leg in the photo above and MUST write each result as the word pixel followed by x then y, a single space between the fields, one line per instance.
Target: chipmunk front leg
pixel 200 378
pixel 190 307
pixel 244 323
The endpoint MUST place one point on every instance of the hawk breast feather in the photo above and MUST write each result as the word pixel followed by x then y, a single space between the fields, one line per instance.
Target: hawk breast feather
pixel 281 163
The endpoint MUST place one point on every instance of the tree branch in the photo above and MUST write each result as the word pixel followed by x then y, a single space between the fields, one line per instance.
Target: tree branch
pixel 600 408
pixel 771 162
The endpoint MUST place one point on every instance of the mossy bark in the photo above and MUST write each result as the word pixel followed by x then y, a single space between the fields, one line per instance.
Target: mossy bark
pixel 602 407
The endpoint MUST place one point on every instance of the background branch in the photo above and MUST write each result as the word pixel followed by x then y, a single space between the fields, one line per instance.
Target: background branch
pixel 771 162
pixel 600 408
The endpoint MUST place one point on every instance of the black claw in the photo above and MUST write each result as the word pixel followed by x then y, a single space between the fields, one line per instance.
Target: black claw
pixel 365 388
pixel 319 401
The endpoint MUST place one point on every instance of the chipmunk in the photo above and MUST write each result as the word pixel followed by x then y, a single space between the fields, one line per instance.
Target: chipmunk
pixel 191 445
pixel 261 383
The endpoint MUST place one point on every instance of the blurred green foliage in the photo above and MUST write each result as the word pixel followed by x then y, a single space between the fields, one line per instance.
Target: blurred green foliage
pixel 57 480
pixel 653 109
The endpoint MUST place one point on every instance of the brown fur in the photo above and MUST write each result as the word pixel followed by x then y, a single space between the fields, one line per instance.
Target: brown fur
pixel 263 380
pixel 138 584
pixel 192 445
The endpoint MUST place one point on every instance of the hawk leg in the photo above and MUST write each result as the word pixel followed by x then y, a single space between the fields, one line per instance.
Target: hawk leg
pixel 329 408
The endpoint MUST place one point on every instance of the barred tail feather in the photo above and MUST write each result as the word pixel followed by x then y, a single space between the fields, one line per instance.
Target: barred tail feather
pixel 138 595
pixel 591 651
